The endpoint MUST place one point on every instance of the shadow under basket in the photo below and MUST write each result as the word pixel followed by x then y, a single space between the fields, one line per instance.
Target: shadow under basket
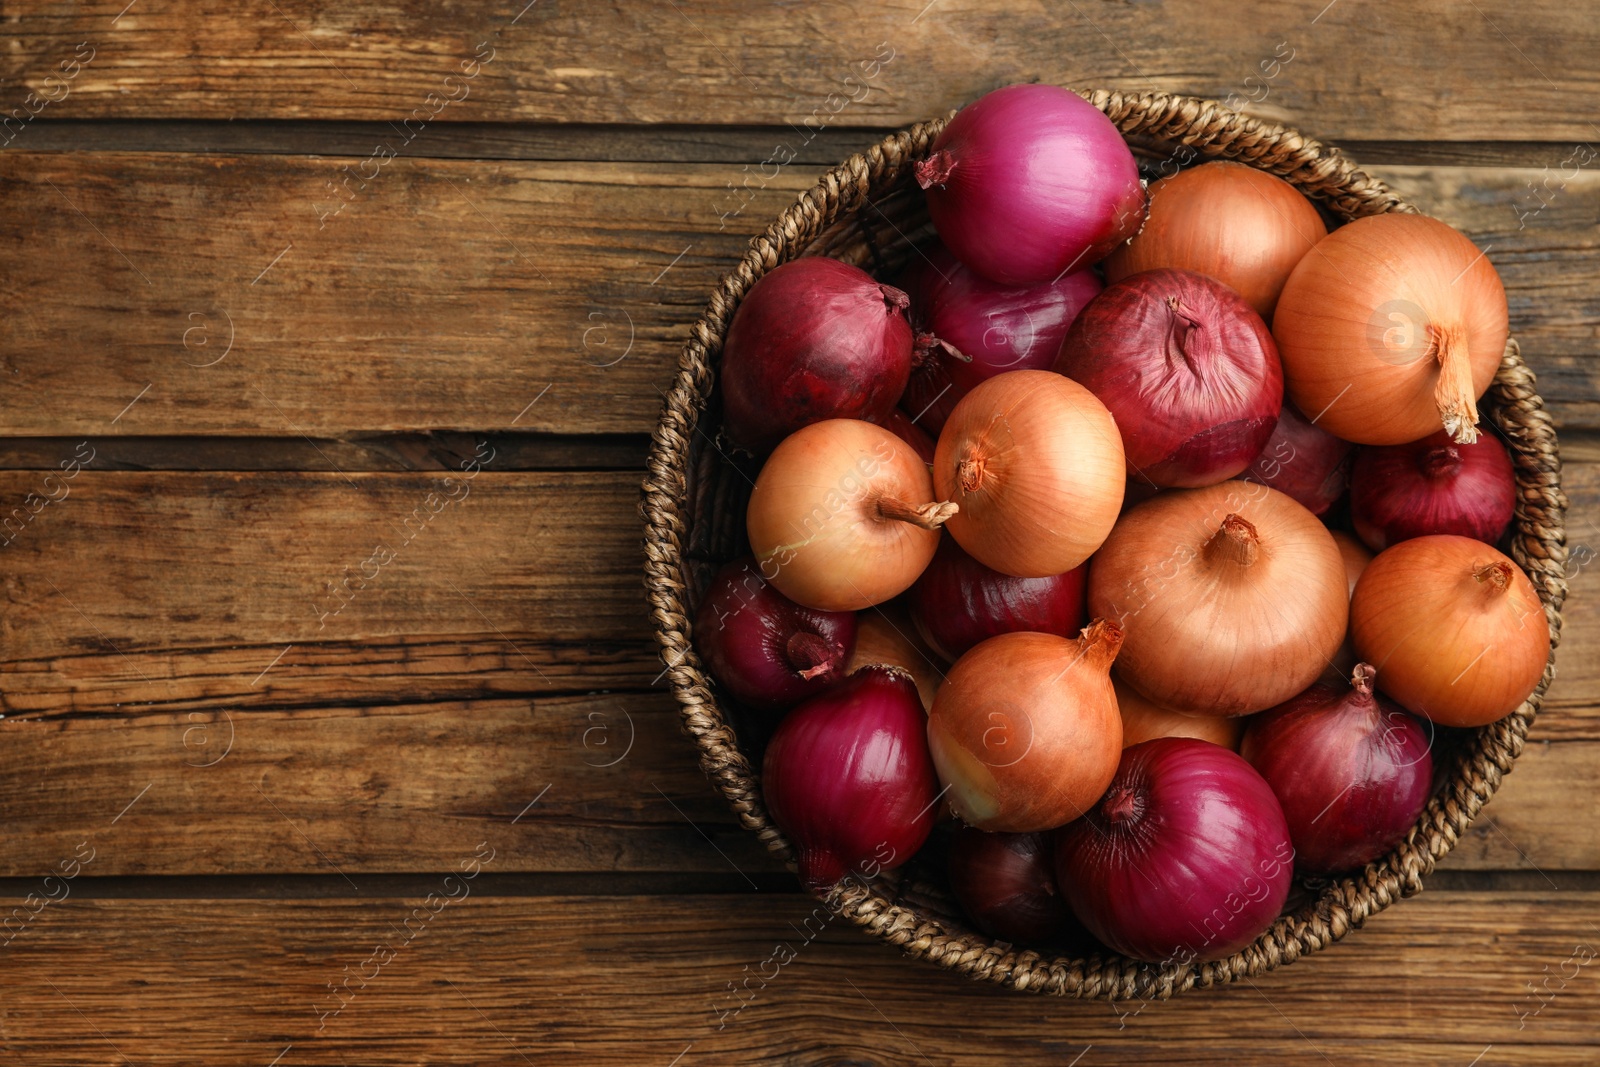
pixel 870 213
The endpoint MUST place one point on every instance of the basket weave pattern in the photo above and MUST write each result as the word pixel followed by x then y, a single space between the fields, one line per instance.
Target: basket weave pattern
pixel 868 209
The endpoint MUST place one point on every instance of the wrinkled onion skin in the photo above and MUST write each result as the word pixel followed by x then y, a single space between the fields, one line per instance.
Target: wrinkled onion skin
pixel 1196 390
pixel 1144 720
pixel 1006 883
pixel 1432 486
pixel 814 339
pixel 743 632
pixel 1042 183
pixel 959 602
pixel 848 779
pixel 998 328
pixel 1229 221
pixel 1351 772
pixel 1202 865
pixel 1460 651
pixel 1304 461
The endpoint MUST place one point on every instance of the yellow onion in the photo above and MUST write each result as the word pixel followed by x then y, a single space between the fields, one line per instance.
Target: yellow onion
pixel 886 637
pixel 1144 719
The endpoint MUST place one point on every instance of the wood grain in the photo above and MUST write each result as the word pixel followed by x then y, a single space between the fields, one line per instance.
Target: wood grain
pixel 450 294
pixel 1426 71
pixel 604 981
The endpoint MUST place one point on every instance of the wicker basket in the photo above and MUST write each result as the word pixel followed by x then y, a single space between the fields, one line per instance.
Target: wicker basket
pixel 868 212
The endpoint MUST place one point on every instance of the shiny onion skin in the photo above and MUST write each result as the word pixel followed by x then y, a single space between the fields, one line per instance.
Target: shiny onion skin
pixel 814 339
pixel 841 516
pixel 1304 461
pixel 1187 856
pixel 766 650
pixel 886 637
pixel 848 780
pixel 1432 486
pixel 1454 628
pixel 1030 181
pixel 1035 464
pixel 994 328
pixel 1006 883
pixel 1231 598
pixel 1144 720
pixel 1394 326
pixel 1242 226
pixel 1025 731
pixel 1351 770
pixel 1188 370
pixel 959 602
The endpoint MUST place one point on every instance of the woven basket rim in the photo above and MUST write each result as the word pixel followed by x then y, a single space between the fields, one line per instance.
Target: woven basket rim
pixel 1512 407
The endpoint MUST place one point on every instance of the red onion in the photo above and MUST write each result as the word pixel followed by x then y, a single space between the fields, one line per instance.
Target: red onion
pixel 1006 883
pixel 1186 857
pixel 848 778
pixel 1352 770
pixel 814 339
pixel 899 423
pixel 930 394
pixel 1304 461
pixel 1432 486
pixel 768 651
pixel 1187 368
pixel 995 328
pixel 1029 182
pixel 959 602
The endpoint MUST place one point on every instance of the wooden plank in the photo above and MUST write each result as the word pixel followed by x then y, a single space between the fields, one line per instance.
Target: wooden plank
pixel 725 62
pixel 568 284
pixel 650 980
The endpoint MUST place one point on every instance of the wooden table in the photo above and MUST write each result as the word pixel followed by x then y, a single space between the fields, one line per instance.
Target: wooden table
pixel 332 336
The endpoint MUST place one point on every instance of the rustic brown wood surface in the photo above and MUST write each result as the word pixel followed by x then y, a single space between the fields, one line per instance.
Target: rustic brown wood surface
pixel 349 579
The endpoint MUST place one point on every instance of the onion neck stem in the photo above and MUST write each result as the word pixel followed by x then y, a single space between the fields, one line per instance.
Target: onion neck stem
pixel 1099 643
pixel 808 654
pixel 970 471
pixel 1121 806
pixel 927 516
pixel 894 299
pixel 1496 575
pixel 1184 330
pixel 1453 393
pixel 1441 462
pixel 1361 681
pixel 935 170
pixel 1236 542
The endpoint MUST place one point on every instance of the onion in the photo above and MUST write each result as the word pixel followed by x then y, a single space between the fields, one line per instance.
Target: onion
pixel 848 780
pixel 1232 598
pixel 1356 557
pixel 1035 464
pixel 1025 731
pixel 986 328
pixel 1432 486
pixel 840 517
pixel 1186 857
pixel 1187 369
pixel 1394 325
pixel 1351 770
pixel 899 423
pixel 1304 461
pixel 1006 883
pixel 886 637
pixel 1143 720
pixel 1242 226
pixel 768 651
pixel 930 395
pixel 1029 182
pixel 1454 628
pixel 814 339
pixel 959 602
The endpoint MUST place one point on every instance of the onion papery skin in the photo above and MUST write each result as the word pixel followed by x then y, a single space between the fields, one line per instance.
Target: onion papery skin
pixel 841 516
pixel 1244 227
pixel 1144 720
pixel 1356 557
pixel 1025 731
pixel 1304 461
pixel 1351 770
pixel 886 637
pixel 767 651
pixel 814 339
pixel 1006 883
pixel 930 394
pixel 1031 181
pixel 1393 327
pixel 1035 464
pixel 1188 370
pixel 1187 856
pixel 1454 628
pixel 848 780
pixel 1214 626
pixel 995 328
pixel 922 443
pixel 1432 486
pixel 958 602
